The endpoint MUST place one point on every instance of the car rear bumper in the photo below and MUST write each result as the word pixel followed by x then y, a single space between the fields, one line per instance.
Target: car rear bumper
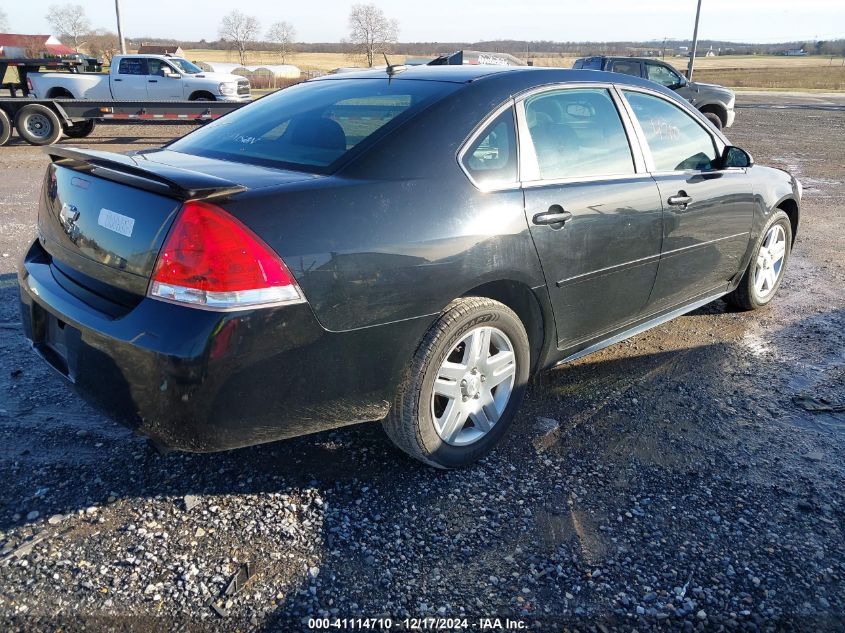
pixel 204 381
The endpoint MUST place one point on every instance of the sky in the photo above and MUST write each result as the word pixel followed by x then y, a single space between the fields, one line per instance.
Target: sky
pixel 471 20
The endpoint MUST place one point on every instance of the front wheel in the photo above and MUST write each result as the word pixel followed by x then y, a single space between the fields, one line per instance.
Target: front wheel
pixel 765 272
pixel 714 119
pixel 464 386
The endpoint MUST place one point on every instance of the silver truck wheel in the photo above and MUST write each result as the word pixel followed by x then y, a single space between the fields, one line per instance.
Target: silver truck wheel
pixel 5 128
pixel 38 125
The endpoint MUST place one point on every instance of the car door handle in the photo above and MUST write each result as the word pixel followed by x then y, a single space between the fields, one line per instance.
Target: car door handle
pixel 680 200
pixel 118 79
pixel 153 81
pixel 552 216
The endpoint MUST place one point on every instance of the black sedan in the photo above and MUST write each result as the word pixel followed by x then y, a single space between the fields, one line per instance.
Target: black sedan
pixel 408 245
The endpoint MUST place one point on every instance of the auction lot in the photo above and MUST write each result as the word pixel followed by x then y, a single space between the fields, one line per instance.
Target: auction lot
pixel 690 478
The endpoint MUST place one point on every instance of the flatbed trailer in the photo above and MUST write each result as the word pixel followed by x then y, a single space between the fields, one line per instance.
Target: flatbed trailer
pixel 43 121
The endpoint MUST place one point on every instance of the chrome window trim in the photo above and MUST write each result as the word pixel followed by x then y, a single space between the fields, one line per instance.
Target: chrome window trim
pixel 529 166
pixel 475 134
pixel 530 184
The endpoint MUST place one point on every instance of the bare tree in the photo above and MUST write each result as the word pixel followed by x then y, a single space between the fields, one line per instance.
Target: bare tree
pixel 103 44
pixel 69 21
pixel 4 21
pixel 370 31
pixel 240 31
pixel 283 35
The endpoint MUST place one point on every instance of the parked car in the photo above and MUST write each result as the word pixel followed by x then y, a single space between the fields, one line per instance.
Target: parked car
pixel 142 78
pixel 715 102
pixel 399 246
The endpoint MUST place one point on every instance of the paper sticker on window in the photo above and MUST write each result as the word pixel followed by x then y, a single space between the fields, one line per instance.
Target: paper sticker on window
pixel 116 222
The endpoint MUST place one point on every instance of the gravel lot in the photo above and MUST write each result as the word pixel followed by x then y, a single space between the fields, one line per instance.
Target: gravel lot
pixel 675 481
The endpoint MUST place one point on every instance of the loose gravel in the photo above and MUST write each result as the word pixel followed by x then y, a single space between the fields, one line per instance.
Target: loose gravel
pixel 672 482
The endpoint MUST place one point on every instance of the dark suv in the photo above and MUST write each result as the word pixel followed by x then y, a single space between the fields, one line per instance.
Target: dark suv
pixel 715 102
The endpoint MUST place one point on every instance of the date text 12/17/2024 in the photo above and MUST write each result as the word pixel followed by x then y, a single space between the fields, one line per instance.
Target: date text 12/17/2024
pixel 416 624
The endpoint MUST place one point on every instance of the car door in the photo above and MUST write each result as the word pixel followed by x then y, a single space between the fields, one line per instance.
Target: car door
pixel 707 211
pixel 593 211
pixel 130 81
pixel 160 85
pixel 627 67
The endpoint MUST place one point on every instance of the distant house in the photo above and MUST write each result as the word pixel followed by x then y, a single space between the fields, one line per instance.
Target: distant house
pixel 795 52
pixel 166 49
pixel 21 45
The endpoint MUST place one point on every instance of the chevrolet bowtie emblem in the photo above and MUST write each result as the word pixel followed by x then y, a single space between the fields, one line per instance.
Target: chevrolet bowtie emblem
pixel 68 215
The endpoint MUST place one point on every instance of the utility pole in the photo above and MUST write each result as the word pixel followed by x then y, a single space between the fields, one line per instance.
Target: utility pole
pixel 119 28
pixel 694 43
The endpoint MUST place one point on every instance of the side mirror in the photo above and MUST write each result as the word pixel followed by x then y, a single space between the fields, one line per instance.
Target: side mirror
pixel 168 72
pixel 736 157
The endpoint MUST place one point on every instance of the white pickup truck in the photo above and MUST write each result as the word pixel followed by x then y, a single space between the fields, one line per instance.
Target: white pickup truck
pixel 142 78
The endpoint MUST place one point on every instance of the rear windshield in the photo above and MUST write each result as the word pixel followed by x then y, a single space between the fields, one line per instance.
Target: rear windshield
pixel 315 125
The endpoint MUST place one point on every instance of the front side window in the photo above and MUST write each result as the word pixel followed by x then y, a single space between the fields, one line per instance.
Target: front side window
pixel 313 125
pixel 577 133
pixel 676 140
pixel 662 75
pixel 157 66
pixel 185 66
pixel 492 159
pixel 132 66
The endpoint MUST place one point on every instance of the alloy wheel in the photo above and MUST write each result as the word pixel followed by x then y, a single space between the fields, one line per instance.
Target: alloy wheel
pixel 770 258
pixel 473 386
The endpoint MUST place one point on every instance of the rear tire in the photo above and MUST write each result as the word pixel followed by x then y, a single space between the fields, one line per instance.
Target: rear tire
pixel 5 128
pixel 714 119
pixel 80 129
pixel 38 125
pixel 477 354
pixel 765 271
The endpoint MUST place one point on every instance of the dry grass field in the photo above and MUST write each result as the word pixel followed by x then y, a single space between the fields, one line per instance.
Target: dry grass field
pixel 739 71
pixel 305 61
pixel 753 71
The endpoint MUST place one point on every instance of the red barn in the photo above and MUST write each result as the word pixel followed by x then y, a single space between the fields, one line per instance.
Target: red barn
pixel 19 45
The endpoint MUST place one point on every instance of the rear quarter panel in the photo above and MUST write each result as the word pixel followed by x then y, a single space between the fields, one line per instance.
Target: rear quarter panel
pixel 402 232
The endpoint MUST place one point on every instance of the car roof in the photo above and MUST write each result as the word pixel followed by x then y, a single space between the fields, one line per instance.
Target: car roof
pixel 528 75
pixel 458 74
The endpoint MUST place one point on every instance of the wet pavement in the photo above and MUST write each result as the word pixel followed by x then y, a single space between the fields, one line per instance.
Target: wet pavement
pixel 676 480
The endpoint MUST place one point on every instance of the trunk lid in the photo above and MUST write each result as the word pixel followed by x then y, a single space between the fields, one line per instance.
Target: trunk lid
pixel 103 217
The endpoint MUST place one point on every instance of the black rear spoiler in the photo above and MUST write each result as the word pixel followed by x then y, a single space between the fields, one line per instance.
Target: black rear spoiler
pixel 142 173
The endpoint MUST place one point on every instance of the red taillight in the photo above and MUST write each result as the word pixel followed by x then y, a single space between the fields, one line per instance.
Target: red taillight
pixel 210 259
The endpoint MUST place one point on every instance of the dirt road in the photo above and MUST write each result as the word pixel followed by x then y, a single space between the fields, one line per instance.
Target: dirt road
pixel 673 481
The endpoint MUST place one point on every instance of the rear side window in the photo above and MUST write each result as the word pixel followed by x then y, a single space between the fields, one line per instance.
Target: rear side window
pixel 491 159
pixel 676 140
pixel 132 66
pixel 578 133
pixel 591 63
pixel 626 67
pixel 315 125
